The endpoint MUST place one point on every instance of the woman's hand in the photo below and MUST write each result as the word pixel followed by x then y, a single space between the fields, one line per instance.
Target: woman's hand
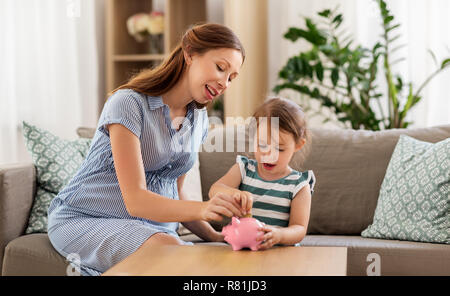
pixel 245 199
pixel 272 236
pixel 220 204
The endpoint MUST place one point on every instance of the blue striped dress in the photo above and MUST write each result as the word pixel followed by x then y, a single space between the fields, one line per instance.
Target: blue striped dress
pixel 88 217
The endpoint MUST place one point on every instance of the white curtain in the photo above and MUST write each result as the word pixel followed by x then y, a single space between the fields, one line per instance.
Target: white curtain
pixel 424 26
pixel 49 69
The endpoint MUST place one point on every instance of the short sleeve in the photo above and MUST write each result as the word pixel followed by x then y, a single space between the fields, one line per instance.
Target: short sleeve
pixel 242 161
pixel 305 178
pixel 125 108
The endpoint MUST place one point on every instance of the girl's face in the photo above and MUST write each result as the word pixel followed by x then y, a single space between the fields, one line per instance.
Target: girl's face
pixel 210 74
pixel 274 150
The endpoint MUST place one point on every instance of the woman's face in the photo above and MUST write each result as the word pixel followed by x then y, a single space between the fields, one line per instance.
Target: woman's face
pixel 210 74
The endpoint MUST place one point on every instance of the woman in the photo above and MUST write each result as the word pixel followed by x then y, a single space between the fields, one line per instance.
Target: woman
pixel 128 191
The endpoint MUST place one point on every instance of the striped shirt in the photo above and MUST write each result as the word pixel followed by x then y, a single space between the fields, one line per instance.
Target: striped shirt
pixel 272 199
pixel 88 216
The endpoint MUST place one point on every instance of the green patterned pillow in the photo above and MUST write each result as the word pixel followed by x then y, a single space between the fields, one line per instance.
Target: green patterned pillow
pixel 56 161
pixel 414 200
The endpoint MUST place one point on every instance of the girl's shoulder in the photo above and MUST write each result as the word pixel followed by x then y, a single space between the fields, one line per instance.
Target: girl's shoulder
pixel 241 159
pixel 301 179
pixel 247 166
pixel 299 175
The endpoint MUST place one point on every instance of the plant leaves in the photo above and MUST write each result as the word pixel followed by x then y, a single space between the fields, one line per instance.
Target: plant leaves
pixel 392 28
pixel 397 48
pixel 318 68
pixel 337 20
pixel 394 38
pixel 313 36
pixel 352 70
pixel 433 56
pixel 388 19
pixel 335 76
pixel 445 63
pixel 294 33
pixel 399 84
pixel 397 61
pixel 324 13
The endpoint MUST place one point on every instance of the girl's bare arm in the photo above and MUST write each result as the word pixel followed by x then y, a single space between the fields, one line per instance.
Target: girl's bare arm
pixel 229 185
pixel 298 218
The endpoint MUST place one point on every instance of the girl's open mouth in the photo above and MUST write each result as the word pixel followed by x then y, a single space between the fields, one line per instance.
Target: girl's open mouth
pixel 268 166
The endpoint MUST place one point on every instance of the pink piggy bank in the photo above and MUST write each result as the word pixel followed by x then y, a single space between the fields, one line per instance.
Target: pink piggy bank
pixel 242 233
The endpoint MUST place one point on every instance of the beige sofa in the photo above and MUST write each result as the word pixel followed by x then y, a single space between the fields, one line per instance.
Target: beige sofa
pixel 349 166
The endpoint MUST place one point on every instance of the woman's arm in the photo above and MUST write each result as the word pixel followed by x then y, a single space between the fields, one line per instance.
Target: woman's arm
pixel 202 229
pixel 298 222
pixel 140 202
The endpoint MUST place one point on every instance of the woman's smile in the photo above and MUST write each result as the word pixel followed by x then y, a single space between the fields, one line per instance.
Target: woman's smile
pixel 211 92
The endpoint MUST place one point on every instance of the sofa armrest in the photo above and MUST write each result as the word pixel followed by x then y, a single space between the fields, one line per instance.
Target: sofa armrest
pixel 17 190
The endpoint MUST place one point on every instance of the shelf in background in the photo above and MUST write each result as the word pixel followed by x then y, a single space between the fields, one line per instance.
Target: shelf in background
pixel 124 57
pixel 138 57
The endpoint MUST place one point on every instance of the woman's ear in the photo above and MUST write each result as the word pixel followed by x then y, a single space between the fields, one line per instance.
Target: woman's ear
pixel 187 57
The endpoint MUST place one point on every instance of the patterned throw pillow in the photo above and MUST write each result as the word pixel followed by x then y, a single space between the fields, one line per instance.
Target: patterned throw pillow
pixel 56 161
pixel 414 200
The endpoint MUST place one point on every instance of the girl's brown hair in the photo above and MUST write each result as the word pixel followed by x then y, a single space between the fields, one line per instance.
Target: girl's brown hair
pixel 291 117
pixel 196 40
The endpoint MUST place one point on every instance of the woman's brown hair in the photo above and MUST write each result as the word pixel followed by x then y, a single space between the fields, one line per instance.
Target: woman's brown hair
pixel 196 40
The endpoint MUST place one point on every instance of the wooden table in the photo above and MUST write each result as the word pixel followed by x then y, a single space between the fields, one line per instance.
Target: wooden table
pixel 214 260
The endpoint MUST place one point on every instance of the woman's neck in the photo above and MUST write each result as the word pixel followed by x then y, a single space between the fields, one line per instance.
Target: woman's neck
pixel 178 97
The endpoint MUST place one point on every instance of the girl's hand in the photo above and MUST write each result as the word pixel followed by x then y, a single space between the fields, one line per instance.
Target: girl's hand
pixel 218 237
pixel 220 204
pixel 271 237
pixel 245 199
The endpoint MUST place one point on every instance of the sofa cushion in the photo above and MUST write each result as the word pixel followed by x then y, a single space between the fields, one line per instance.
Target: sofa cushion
pixel 17 189
pixel 349 166
pixel 193 190
pixel 414 201
pixel 33 254
pixel 395 257
pixel 56 161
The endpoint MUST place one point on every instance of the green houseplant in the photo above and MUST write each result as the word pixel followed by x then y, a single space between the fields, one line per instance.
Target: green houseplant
pixel 341 76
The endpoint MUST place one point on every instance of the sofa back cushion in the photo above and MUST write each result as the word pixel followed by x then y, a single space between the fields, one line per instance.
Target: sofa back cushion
pixel 349 166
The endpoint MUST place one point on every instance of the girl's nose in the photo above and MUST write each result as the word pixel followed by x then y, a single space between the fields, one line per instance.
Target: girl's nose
pixel 271 157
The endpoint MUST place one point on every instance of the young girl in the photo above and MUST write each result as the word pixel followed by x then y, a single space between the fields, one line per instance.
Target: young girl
pixel 277 195
pixel 129 190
